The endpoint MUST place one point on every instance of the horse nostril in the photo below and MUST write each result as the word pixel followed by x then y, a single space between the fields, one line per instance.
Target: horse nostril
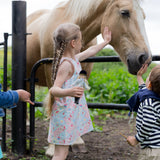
pixel 142 58
pixel 134 63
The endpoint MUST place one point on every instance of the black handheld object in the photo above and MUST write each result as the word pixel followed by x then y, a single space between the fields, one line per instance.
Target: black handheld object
pixel 82 72
pixel 76 100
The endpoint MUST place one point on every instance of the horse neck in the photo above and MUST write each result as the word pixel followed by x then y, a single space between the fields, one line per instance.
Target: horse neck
pixel 90 23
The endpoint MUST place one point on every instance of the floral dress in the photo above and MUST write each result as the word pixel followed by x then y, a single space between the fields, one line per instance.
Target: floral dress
pixel 68 119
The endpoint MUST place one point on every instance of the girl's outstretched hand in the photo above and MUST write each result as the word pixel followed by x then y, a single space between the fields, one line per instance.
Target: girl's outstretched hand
pixel 107 35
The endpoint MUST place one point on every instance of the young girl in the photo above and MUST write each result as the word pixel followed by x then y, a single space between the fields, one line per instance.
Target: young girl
pixel 146 102
pixel 69 120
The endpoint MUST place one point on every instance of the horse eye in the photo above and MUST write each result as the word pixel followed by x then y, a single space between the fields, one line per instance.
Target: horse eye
pixel 125 13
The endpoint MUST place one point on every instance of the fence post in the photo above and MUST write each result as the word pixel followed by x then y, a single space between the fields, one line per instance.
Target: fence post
pixel 4 89
pixel 19 74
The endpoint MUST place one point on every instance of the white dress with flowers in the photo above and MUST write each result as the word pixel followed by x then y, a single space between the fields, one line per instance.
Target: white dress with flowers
pixel 68 119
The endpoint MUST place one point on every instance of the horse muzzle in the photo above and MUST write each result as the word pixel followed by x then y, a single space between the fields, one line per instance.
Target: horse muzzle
pixel 134 63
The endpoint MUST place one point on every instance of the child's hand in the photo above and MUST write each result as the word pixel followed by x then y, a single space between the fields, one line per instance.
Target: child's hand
pixel 107 35
pixel 24 96
pixel 142 70
pixel 132 141
pixel 76 92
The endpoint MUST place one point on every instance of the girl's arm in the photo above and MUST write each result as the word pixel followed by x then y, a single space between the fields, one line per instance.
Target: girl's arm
pixel 142 70
pixel 91 51
pixel 65 72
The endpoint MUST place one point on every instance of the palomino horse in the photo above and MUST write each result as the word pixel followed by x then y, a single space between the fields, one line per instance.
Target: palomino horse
pixel 125 19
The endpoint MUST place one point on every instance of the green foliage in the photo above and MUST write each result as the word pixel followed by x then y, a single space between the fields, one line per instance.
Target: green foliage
pixel 9 71
pixel 41 93
pixel 112 86
pixel 111 82
pixel 106 52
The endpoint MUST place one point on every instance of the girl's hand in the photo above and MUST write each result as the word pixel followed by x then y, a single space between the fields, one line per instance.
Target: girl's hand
pixel 132 141
pixel 107 35
pixel 76 92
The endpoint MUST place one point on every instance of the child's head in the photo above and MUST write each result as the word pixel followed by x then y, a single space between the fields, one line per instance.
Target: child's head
pixel 154 79
pixel 64 33
pixel 62 37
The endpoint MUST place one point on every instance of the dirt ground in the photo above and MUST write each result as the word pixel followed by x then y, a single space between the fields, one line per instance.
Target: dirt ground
pixel 106 145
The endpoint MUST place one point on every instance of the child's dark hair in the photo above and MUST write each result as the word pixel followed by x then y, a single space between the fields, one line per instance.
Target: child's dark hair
pixel 61 37
pixel 154 78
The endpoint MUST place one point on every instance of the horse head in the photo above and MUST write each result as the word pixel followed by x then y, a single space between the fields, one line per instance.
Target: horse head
pixel 125 18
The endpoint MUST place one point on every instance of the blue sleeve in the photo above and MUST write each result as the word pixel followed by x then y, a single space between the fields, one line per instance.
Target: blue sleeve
pixel 8 99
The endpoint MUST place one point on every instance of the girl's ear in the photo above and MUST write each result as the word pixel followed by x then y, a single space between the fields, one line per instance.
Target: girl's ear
pixel 72 42
pixel 149 85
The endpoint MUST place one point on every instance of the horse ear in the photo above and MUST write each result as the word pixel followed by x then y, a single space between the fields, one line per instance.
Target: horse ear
pixel 125 13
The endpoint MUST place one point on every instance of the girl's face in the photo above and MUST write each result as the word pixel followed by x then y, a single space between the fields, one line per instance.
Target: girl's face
pixel 78 45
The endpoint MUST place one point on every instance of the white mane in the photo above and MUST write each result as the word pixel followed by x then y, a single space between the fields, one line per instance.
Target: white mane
pixel 80 8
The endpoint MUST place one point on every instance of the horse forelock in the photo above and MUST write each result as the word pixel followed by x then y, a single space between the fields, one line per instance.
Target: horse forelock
pixel 80 9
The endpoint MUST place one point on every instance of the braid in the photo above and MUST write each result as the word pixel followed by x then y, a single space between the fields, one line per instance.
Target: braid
pixel 58 53
pixel 53 63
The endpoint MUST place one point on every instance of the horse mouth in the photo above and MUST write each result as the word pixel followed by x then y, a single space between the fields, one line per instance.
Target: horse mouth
pixel 134 63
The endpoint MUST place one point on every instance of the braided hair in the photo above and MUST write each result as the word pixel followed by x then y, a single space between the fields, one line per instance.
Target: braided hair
pixel 61 38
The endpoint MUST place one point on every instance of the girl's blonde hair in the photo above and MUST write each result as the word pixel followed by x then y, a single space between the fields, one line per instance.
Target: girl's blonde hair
pixel 61 37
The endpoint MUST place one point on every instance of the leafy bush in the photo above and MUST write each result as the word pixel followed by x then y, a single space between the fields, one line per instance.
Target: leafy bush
pixel 41 93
